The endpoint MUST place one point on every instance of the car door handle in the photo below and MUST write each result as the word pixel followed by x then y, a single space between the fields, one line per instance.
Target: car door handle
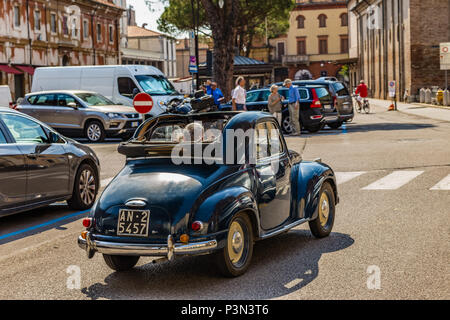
pixel 32 155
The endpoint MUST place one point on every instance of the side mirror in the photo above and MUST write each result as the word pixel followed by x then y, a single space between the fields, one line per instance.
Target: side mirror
pixel 72 105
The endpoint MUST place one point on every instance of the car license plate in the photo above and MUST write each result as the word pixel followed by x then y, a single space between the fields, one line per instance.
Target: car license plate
pixel 133 223
pixel 134 124
pixel 327 106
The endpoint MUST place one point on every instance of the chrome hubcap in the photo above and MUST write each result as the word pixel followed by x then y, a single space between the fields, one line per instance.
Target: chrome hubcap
pixel 287 125
pixel 324 209
pixel 94 132
pixel 87 187
pixel 236 243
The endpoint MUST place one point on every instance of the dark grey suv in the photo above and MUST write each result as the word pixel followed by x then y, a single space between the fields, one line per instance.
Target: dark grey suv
pixel 38 166
pixel 81 114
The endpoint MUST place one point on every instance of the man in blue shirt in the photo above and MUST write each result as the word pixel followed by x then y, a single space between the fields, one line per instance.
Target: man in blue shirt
pixel 217 94
pixel 294 107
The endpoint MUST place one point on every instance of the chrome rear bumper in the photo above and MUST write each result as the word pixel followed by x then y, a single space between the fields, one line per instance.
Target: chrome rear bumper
pixel 135 249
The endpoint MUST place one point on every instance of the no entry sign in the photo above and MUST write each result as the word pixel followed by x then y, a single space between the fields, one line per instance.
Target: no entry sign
pixel 143 102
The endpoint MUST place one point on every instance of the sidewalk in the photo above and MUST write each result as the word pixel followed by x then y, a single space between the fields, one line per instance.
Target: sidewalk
pixel 417 109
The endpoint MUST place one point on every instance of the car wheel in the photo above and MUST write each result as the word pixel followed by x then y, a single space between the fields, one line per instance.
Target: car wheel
pixel 321 226
pixel 335 125
pixel 314 128
pixel 234 259
pixel 120 263
pixel 286 125
pixel 85 188
pixel 94 132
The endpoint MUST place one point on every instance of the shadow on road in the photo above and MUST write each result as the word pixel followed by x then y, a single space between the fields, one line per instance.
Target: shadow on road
pixel 280 266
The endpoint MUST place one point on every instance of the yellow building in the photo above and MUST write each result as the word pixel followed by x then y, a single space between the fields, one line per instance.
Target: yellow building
pixel 317 41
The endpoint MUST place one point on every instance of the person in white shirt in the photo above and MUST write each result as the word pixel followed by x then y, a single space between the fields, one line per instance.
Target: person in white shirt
pixel 239 95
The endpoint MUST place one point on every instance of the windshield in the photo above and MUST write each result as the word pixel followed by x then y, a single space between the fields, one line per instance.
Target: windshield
pixel 156 85
pixel 94 99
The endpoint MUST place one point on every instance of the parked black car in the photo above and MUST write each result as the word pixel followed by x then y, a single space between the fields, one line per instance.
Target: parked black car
pixel 154 207
pixel 39 166
pixel 316 109
pixel 316 106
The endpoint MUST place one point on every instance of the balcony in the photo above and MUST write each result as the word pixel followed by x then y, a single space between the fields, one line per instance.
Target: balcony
pixel 295 59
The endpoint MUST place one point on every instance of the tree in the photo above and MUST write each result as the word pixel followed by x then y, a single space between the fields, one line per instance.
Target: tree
pixel 234 26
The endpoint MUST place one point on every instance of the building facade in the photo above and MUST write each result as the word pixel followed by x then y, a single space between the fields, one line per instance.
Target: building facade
pixel 398 40
pixel 316 43
pixel 183 56
pixel 150 48
pixel 36 33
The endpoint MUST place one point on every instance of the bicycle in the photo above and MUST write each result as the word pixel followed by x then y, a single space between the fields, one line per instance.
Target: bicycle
pixel 365 105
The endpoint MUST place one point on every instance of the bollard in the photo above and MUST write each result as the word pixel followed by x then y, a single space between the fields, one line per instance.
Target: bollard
pixel 422 95
pixel 446 100
pixel 440 97
pixel 427 96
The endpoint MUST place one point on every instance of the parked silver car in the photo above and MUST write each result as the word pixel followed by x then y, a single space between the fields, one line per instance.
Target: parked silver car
pixel 81 113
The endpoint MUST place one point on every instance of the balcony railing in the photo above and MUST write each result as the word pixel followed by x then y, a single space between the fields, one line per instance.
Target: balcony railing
pixel 292 59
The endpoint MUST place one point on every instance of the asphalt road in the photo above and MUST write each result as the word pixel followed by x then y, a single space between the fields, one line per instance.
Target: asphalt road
pixel 393 218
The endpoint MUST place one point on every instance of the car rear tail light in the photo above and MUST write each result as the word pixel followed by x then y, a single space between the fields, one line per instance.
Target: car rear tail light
pixel 335 101
pixel 316 102
pixel 197 226
pixel 316 117
pixel 87 222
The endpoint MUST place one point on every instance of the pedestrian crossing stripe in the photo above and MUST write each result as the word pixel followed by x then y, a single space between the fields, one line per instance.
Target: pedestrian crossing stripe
pixel 444 184
pixel 392 181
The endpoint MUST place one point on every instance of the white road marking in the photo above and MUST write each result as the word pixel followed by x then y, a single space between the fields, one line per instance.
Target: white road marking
pixel 105 182
pixel 293 283
pixel 444 184
pixel 394 181
pixel 343 177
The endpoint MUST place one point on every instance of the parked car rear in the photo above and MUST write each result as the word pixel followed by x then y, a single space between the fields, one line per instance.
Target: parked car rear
pixel 342 99
pixel 81 114
pixel 257 100
pixel 316 109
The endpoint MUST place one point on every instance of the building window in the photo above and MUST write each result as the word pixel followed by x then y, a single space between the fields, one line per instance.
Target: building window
pixel 53 23
pixel 323 46
pixel 280 50
pixel 65 26
pixel 111 34
pixel 322 21
pixel 344 44
pixel 99 32
pixel 74 28
pixel 85 29
pixel 37 20
pixel 301 46
pixel 16 16
pixel 300 22
pixel 344 20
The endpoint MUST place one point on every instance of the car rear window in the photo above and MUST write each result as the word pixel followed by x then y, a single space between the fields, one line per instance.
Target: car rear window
pixel 303 94
pixel 42 100
pixel 323 94
pixel 340 89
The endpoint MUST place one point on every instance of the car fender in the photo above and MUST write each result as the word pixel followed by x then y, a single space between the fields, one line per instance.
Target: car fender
pixel 310 178
pixel 217 210
pixel 96 116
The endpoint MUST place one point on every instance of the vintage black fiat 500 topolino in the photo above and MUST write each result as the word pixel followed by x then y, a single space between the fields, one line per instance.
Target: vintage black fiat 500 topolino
pixel 157 208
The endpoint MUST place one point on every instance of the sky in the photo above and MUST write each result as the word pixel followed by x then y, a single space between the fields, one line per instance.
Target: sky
pixel 144 15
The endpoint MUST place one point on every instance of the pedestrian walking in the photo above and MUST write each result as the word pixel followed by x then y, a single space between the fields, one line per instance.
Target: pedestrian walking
pixel 294 107
pixel 274 103
pixel 239 95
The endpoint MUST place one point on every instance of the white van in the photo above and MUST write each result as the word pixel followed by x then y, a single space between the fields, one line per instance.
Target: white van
pixel 5 97
pixel 118 83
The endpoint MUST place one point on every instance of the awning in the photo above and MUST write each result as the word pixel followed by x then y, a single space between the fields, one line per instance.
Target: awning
pixel 8 69
pixel 27 69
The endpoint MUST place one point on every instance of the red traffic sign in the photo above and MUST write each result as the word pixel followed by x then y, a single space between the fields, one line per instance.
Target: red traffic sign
pixel 143 102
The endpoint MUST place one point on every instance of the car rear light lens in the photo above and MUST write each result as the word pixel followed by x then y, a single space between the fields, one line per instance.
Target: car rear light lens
pixel 316 117
pixel 197 226
pixel 316 102
pixel 335 101
pixel 87 222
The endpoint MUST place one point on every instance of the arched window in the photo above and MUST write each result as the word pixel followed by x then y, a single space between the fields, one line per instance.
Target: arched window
pixel 300 22
pixel 322 21
pixel 344 20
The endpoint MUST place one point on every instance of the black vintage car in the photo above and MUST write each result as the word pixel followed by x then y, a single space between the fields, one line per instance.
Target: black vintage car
pixel 214 192
pixel 38 166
